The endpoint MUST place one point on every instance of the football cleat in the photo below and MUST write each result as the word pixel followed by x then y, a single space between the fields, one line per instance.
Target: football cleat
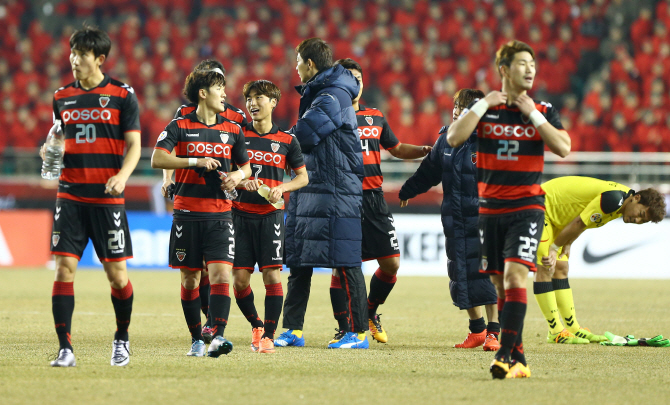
pixel 197 349
pixel 339 335
pixel 591 337
pixel 499 369
pixel 207 334
pixel 491 344
pixel 473 340
pixel 65 359
pixel 219 346
pixel 351 340
pixel 289 338
pixel 565 337
pixel 266 345
pixel 120 353
pixel 256 335
pixel 376 330
pixel 518 370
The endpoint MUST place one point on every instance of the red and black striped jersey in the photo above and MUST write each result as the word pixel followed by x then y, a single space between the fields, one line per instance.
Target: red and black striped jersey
pixel 510 159
pixel 194 198
pixel 268 154
pixel 95 121
pixel 231 113
pixel 374 131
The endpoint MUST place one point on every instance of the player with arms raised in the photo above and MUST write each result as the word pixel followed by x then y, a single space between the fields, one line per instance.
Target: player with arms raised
pixel 379 238
pixel 100 117
pixel 259 223
pixel 202 227
pixel 512 130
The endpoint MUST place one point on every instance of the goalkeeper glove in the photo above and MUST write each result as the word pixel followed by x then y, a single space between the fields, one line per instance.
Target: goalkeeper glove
pixel 629 340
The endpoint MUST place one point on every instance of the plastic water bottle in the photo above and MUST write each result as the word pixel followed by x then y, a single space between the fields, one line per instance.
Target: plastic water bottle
pixel 231 195
pixel 53 154
pixel 264 191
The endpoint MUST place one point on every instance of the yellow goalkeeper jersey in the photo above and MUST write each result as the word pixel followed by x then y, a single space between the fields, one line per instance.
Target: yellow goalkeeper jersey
pixel 595 201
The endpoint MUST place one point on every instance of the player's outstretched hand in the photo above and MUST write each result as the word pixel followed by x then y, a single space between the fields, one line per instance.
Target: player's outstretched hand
pixel 251 184
pixel 404 203
pixel 526 104
pixel 115 185
pixel 208 163
pixel 496 98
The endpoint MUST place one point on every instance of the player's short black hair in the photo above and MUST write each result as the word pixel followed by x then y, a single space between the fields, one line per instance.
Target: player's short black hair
pixel 349 64
pixel 209 64
pixel 90 38
pixel 464 97
pixel 318 51
pixel 201 79
pixel 655 201
pixel 262 87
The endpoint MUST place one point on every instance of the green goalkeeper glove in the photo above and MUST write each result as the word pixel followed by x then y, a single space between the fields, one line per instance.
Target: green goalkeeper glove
pixel 629 340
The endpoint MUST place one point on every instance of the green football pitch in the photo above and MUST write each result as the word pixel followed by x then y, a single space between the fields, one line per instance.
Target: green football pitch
pixel 418 365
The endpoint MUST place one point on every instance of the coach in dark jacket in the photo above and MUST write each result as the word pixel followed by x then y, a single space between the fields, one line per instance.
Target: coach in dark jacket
pixel 456 168
pixel 323 223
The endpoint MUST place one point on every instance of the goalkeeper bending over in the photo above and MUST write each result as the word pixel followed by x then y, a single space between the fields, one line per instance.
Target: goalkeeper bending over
pixel 574 204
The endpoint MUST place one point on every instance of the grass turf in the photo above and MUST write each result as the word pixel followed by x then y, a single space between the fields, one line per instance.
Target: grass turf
pixel 418 364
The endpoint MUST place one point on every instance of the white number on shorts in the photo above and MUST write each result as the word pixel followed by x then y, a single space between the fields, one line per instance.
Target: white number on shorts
pixel 231 247
pixel 394 240
pixel 508 147
pixel 117 239
pixel 278 243
pixel 85 130
pixel 527 250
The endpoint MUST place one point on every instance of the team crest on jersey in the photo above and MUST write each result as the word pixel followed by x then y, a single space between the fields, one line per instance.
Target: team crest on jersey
pixel 162 136
pixel 181 255
pixel 473 158
pixel 596 218
pixel 369 120
pixel 485 264
pixel 104 100
pixel 275 147
pixel 224 137
pixel 55 239
pixel 525 119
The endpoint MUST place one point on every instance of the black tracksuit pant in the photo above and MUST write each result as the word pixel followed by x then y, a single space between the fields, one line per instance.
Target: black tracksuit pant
pixel 297 295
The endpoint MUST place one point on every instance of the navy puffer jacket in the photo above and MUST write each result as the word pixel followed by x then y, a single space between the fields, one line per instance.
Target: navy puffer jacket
pixel 323 222
pixel 456 168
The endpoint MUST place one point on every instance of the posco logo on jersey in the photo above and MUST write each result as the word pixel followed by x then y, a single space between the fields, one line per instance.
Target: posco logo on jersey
pixel 208 148
pixel 86 114
pixel 368 132
pixel 509 130
pixel 267 157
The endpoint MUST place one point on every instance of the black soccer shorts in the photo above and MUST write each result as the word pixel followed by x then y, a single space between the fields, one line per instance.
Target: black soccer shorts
pixel 105 225
pixel 379 237
pixel 510 237
pixel 191 241
pixel 259 240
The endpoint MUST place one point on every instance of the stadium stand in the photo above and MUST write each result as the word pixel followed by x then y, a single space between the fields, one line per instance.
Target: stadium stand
pixel 605 63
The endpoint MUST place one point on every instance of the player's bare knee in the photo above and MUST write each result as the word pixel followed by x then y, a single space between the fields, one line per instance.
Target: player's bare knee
pixel 116 273
pixel 272 275
pixel 390 265
pixel 561 270
pixel 543 274
pixel 190 279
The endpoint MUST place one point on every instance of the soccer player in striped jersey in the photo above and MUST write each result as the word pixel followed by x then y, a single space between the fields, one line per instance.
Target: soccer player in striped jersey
pixel 204 143
pixel 573 205
pixel 100 116
pixel 259 223
pixel 231 113
pixel 512 131
pixel 379 238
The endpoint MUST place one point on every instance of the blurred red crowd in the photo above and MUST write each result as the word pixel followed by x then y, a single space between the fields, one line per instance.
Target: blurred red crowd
pixel 605 63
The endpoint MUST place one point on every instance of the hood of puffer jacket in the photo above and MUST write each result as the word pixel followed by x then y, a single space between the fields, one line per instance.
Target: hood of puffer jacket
pixel 336 76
